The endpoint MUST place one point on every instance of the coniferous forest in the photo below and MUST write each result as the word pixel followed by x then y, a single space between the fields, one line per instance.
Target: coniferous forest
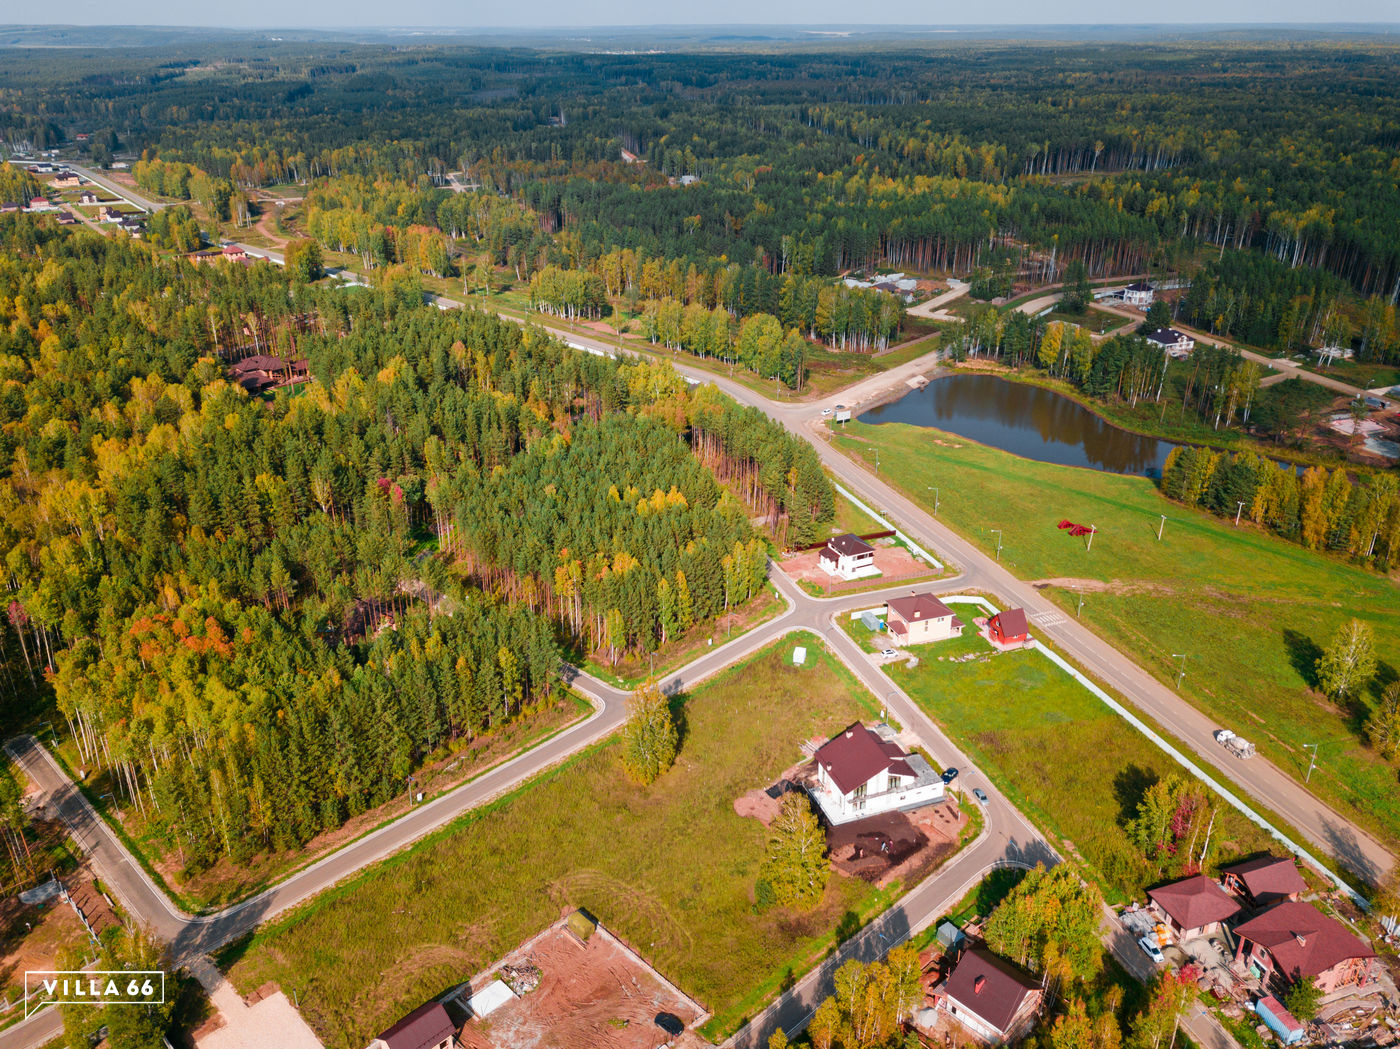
pixel 262 613
pixel 233 597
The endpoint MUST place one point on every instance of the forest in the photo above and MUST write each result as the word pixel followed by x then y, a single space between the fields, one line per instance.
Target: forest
pixel 732 179
pixel 263 613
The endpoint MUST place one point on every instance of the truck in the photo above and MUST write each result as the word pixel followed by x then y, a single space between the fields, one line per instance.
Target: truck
pixel 1236 745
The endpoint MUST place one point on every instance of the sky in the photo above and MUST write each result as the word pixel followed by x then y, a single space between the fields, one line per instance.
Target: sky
pixel 556 14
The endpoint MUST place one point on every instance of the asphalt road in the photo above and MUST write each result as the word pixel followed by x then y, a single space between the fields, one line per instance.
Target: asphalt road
pixel 1279 793
pixel 1007 838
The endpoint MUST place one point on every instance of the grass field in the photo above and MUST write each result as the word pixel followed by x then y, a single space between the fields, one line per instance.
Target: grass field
pixel 670 868
pixel 1096 321
pixel 1064 759
pixel 1250 611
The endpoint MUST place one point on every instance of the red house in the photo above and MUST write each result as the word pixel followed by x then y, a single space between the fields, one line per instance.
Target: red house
pixel 1296 941
pixel 1009 627
pixel 1265 880
pixel 1193 906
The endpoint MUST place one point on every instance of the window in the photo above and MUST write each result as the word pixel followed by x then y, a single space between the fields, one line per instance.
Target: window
pixel 895 781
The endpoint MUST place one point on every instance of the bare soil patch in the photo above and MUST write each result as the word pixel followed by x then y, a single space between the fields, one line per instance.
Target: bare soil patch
pixel 902 846
pixel 593 995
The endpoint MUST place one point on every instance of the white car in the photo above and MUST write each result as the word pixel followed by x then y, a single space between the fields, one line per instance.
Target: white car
pixel 1150 948
pixel 826 411
pixel 888 653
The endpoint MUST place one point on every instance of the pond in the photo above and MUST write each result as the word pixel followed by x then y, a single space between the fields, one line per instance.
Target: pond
pixel 1026 420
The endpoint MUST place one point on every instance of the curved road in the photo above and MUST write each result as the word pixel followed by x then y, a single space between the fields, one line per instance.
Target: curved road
pixel 1007 837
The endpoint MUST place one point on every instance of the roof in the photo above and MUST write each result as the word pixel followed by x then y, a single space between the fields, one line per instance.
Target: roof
pixel 1167 336
pixel 490 998
pixel 1012 622
pixel 989 986
pixel 426 1026
pixel 1282 1015
pixel 1303 940
pixel 856 755
pixel 849 545
pixel 259 362
pixel 1194 902
pixel 919 607
pixel 1269 876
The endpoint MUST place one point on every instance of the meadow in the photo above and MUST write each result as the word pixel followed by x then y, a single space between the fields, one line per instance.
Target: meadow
pixel 1251 612
pixel 669 867
pixel 1070 764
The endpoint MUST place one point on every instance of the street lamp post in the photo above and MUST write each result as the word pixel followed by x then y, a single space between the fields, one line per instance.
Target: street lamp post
pixel 934 490
pixel 1313 763
pixel 1090 545
pixel 877 460
pixel 1239 510
pixel 1180 674
pixel 1081 602
pixel 998 532
pixel 1160 525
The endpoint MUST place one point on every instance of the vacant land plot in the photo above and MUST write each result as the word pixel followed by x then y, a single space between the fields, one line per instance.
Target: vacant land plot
pixel 1064 759
pixel 593 995
pixel 1250 611
pixel 669 867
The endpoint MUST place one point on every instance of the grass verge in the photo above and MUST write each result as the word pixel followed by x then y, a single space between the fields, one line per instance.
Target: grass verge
pixel 670 867
pixel 1251 612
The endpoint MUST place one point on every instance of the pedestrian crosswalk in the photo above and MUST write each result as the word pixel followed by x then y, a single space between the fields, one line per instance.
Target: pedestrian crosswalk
pixel 1048 618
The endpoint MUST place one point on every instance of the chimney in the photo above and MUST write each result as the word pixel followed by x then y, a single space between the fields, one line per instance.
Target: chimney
pixel 850 734
pixel 1302 940
pixel 978 984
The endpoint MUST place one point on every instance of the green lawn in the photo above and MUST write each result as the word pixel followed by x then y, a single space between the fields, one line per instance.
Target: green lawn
pixel 670 868
pixel 1096 321
pixel 1066 761
pixel 1251 611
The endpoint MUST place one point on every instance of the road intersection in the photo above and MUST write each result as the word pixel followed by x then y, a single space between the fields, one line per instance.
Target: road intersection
pixel 1006 838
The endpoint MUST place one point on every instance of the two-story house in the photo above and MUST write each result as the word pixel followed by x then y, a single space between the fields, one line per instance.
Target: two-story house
pixel 859 774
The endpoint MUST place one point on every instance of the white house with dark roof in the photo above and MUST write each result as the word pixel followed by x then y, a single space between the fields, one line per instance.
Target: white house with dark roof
pixel 859 774
pixel 921 618
pixel 848 557
pixel 1173 343
pixel 1139 293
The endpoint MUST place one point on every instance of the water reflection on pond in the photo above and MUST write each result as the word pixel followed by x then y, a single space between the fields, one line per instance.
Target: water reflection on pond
pixel 1026 420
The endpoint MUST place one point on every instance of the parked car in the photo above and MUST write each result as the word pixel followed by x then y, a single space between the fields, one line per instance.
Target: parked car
pixel 1150 948
pixel 980 795
pixel 826 411
pixel 888 653
pixel 949 775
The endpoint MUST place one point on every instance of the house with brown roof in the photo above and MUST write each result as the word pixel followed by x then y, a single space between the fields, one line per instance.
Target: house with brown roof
pixel 1193 906
pixel 1009 627
pixel 848 557
pixel 858 774
pixel 263 371
pixel 995 1001
pixel 1295 941
pixel 66 180
pixel 921 618
pixel 1265 880
pixel 427 1027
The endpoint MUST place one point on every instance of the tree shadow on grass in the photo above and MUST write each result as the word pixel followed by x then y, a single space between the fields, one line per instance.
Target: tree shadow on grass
pixel 1129 786
pixel 1386 675
pixel 1303 654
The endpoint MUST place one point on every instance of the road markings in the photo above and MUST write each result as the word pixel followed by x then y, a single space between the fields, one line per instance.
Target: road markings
pixel 1049 618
